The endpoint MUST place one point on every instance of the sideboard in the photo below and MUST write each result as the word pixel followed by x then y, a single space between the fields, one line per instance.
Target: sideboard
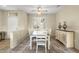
pixel 66 37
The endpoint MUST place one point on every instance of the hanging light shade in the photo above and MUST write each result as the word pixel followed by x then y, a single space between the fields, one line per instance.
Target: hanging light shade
pixel 39 11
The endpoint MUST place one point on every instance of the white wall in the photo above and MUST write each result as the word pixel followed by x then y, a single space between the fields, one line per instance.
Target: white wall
pixel 50 21
pixel 70 14
pixel 3 20
pixel 21 31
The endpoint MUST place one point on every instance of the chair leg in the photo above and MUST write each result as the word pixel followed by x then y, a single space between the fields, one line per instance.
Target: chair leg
pixel 45 49
pixel 30 43
pixel 36 48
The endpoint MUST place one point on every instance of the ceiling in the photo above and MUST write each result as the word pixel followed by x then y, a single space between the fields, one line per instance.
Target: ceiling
pixel 29 8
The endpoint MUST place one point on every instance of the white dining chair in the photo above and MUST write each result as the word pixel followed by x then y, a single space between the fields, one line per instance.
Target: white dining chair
pixel 41 40
pixel 32 38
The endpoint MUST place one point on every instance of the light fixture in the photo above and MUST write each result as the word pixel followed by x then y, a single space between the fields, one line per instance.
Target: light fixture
pixel 39 11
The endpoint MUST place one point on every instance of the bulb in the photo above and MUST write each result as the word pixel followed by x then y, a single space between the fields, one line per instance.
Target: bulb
pixel 39 8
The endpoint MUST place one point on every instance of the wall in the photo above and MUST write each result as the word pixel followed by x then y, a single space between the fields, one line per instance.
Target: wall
pixel 70 14
pixel 0 19
pixel 3 21
pixel 21 31
pixel 50 21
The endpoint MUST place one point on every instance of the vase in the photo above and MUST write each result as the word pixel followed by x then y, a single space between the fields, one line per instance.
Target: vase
pixel 64 26
pixel 59 26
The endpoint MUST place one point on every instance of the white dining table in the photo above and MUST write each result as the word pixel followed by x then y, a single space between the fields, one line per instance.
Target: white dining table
pixel 35 33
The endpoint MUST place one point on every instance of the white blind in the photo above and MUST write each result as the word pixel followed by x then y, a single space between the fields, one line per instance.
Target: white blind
pixel 12 23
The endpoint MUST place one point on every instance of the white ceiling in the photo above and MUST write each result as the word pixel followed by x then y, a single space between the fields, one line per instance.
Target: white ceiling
pixel 29 8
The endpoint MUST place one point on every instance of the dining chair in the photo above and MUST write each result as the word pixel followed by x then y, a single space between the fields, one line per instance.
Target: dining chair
pixel 41 40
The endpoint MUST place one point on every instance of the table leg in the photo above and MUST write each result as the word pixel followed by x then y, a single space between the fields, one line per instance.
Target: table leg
pixel 48 42
pixel 30 42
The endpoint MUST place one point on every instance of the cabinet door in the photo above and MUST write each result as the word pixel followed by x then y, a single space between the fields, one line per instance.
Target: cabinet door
pixel 70 38
pixel 64 38
pixel 57 34
pixel 61 36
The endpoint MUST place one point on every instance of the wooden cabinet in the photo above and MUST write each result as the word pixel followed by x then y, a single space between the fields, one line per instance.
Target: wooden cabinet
pixel 66 37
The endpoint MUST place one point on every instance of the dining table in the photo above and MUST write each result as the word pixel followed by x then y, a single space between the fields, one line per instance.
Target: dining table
pixel 34 34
